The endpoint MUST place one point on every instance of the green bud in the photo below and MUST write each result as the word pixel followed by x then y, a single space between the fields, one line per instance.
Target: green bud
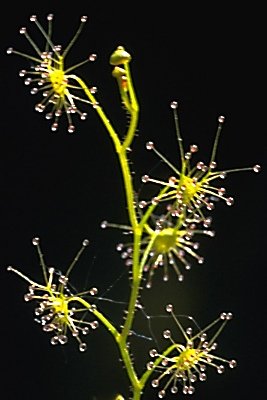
pixel 119 56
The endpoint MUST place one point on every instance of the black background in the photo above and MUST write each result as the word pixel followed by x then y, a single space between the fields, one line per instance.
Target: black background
pixel 60 186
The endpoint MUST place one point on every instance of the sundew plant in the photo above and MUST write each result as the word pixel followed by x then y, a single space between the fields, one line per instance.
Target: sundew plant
pixel 160 237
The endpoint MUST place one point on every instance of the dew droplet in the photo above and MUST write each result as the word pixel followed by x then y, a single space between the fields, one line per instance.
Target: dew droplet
pixel 221 119
pixel 84 18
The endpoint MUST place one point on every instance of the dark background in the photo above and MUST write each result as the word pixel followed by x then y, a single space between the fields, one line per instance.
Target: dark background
pixel 60 186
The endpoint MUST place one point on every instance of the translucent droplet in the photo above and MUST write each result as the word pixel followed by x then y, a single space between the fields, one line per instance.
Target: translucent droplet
pixel 10 50
pixel 85 330
pixel 169 308
pixel 161 394
pixel 22 31
pixel 85 242
pixel 150 145
pixel 94 324
pixel 93 89
pixel 83 116
pixel 54 127
pixel 104 224
pixel 155 383
pixel 142 204
pixel 54 340
pixel 220 369
pixel 190 390
pixel 153 353
pixel 189 331
pixel 232 363
pixel 193 148
pixel 202 377
pixel 62 339
pixel 119 246
pixel 185 389
pixel 38 311
pixel 213 165
pixel 223 315
pixel 63 280
pixel 174 104
pixel 167 334
pixel 57 48
pixel 27 81
pixel 229 316
pixel 257 168
pixel 221 119
pixel 28 297
pixel 82 347
pixel 84 18
pixel 92 57
pixel 145 178
pixel 35 241
pixel 93 291
pixel 150 365
pixel 50 17
pixel 230 201
pixel 174 389
pixel 71 128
